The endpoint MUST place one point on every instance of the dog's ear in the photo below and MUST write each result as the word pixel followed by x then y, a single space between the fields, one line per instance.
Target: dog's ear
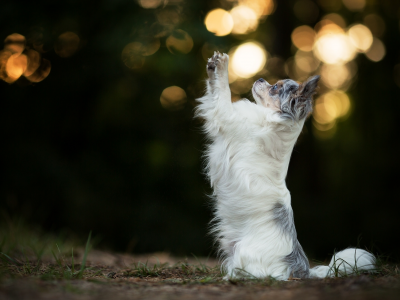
pixel 307 88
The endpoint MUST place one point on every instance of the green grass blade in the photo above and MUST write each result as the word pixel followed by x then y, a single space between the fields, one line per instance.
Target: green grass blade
pixel 85 256
pixel 11 259
pixel 72 262
pixel 56 258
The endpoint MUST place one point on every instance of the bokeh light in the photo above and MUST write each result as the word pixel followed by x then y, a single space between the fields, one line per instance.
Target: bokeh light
pixel 324 112
pixel 360 37
pixel 324 131
pixel 333 46
pixel 232 75
pixel 132 55
pixel 299 67
pixel 219 22
pixel 208 50
pixel 324 127
pixel 306 11
pixel 15 43
pixel 248 59
pixel 173 98
pixel 150 3
pixel 376 24
pixel 244 19
pixel 179 42
pixel 168 16
pixel 42 72
pixel 276 67
pixel 261 7
pixel 306 61
pixel 337 76
pixel 334 18
pixel 292 70
pixel 34 61
pixel 4 56
pixel 354 5
pixel 330 106
pixel 150 46
pixel 303 38
pixel 327 26
pixel 377 51
pixel 241 85
pixel 67 44
pixel 16 66
pixel 19 59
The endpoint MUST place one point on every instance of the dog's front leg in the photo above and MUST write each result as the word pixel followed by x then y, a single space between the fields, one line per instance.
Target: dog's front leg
pixel 218 83
pixel 215 107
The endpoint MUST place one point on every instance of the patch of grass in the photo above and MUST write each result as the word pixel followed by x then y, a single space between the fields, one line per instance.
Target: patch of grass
pixel 144 270
pixel 22 250
pixel 385 268
pixel 27 252
pixel 181 272
pixel 64 270
pixel 26 242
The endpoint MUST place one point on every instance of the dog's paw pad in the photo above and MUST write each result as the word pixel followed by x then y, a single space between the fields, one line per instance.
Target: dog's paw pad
pixel 211 65
pixel 213 61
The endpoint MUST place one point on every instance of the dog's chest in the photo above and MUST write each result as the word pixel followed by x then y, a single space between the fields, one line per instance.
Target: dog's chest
pixel 232 160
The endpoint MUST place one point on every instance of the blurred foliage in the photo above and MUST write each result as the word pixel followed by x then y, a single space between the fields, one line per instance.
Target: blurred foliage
pixel 90 146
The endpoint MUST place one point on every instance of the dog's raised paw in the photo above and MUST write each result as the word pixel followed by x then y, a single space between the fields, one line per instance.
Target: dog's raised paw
pixel 211 65
pixel 213 61
pixel 217 64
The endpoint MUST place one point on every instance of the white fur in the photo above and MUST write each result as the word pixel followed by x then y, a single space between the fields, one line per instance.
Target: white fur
pixel 350 261
pixel 247 162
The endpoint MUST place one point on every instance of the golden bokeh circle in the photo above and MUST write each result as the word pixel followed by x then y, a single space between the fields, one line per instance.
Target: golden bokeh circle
pixel 377 51
pixel 173 98
pixel 306 61
pixel 132 55
pixel 42 72
pixel 179 42
pixel 334 48
pixel 219 22
pixel 361 37
pixel 34 60
pixel 303 37
pixel 248 59
pixel 331 106
pixel 354 5
pixel 245 19
pixel 15 43
pixel 150 4
pixel 16 66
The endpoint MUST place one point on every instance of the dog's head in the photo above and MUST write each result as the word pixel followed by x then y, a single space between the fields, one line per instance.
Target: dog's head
pixel 292 100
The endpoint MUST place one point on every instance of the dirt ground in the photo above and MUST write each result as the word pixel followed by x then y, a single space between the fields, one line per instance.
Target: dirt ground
pixel 160 276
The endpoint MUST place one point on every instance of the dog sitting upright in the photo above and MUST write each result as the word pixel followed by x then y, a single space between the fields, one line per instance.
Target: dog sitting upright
pixel 247 162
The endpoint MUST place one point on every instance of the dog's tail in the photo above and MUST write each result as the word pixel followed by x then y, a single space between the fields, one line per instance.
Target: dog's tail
pixel 351 261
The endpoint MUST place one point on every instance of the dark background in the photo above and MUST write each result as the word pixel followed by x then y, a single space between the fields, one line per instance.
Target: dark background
pixel 91 148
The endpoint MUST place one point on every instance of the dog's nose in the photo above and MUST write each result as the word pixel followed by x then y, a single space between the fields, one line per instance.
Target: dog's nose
pixel 261 80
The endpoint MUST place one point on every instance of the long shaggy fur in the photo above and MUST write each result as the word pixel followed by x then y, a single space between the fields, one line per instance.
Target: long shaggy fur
pixel 247 162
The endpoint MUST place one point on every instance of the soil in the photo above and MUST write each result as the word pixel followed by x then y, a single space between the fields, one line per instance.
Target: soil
pixel 113 276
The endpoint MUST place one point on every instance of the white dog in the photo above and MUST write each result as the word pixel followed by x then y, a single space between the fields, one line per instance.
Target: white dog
pixel 247 162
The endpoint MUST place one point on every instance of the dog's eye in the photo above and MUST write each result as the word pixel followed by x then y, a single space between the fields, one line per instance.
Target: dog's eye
pixel 274 88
